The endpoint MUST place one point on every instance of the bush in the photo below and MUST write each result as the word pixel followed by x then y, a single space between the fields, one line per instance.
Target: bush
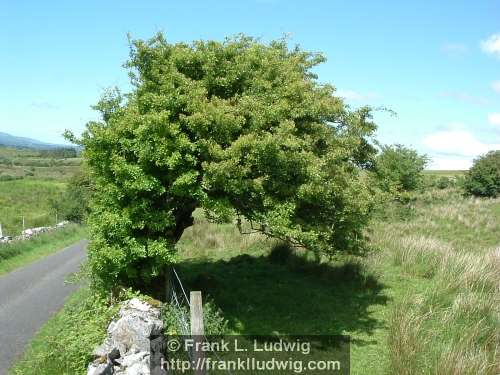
pixel 73 204
pixel 280 253
pixel 444 182
pixel 483 179
pixel 399 168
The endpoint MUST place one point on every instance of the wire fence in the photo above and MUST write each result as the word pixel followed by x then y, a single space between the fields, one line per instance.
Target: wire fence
pixel 178 297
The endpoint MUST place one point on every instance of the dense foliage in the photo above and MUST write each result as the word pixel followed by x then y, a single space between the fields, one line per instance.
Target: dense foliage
pixel 399 168
pixel 239 128
pixel 73 203
pixel 483 178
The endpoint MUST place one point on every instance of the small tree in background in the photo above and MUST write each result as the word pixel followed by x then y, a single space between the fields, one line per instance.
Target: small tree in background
pixel 240 129
pixel 483 178
pixel 399 168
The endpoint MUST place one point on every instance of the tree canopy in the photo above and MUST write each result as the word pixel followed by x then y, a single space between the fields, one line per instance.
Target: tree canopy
pixel 239 128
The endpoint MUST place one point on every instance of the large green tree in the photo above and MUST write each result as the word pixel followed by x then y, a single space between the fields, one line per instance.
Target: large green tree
pixel 238 128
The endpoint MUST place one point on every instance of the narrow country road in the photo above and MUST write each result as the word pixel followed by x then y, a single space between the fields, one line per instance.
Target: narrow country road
pixel 29 296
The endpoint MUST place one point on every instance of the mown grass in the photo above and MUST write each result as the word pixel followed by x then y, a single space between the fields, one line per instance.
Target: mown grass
pixel 20 253
pixel 424 301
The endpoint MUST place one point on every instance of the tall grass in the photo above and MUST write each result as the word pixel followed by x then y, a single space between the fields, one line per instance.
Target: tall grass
pixel 449 324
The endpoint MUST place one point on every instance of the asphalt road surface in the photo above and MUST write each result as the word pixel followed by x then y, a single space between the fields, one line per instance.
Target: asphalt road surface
pixel 29 296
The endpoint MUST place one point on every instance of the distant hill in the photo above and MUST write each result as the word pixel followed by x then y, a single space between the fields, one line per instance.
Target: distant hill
pixel 22 142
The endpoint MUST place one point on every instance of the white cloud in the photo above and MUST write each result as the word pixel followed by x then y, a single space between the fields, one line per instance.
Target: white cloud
pixel 458 143
pixel 492 45
pixel 450 164
pixel 454 48
pixel 495 85
pixel 356 96
pixel 494 118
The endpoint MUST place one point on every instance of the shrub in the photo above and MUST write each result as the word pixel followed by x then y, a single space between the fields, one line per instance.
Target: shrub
pixel 73 204
pixel 444 182
pixel 483 179
pixel 399 168
pixel 280 253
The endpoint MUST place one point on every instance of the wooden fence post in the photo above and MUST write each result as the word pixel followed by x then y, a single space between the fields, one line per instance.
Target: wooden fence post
pixel 197 330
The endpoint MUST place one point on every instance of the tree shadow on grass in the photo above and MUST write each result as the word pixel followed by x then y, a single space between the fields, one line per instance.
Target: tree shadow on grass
pixel 262 296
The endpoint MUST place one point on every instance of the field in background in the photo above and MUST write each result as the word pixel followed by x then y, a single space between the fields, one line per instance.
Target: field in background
pixel 454 173
pixel 29 198
pixel 38 164
pixel 29 180
pixel 425 300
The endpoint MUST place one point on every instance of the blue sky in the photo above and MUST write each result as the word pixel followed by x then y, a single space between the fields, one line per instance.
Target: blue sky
pixel 436 63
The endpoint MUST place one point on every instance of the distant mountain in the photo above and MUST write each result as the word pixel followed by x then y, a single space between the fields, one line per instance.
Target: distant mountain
pixel 22 142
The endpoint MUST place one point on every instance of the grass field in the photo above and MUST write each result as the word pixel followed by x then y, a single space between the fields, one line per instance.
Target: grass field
pixel 29 179
pixel 29 198
pixel 451 173
pixel 424 301
pixel 36 164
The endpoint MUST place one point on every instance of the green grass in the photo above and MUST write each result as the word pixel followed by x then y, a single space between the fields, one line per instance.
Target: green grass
pixel 29 180
pixel 424 301
pixel 28 198
pixel 20 253
pixel 445 243
pixel 452 173
pixel 36 164
pixel 293 295
pixel 447 320
pixel 64 344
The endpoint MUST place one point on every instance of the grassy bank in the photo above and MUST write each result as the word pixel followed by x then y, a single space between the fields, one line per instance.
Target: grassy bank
pixel 20 253
pixel 64 344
